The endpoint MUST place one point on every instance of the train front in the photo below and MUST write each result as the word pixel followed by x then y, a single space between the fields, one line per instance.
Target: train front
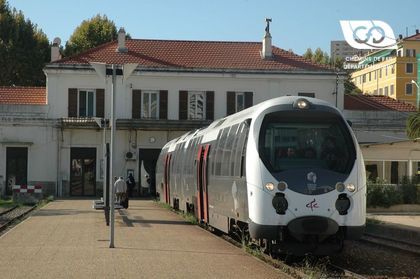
pixel 307 191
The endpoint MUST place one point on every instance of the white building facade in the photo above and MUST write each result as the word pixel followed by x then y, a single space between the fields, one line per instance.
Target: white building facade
pixel 176 86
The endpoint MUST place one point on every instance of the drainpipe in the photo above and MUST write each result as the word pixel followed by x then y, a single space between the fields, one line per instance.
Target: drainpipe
pixel 58 182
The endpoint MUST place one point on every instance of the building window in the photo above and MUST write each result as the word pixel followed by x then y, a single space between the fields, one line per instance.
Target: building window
pixel 150 101
pixel 410 52
pixel 393 69
pixel 381 91
pixel 237 101
pixel 386 90
pixel 380 73
pixel 391 89
pixel 196 105
pixel 386 70
pixel 375 76
pixel 240 101
pixel 86 103
pixel 400 53
pixel 375 92
pixel 408 89
pixel 364 78
pixel 370 76
pixel 409 68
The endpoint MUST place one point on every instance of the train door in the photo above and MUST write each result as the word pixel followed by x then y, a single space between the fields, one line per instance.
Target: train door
pixel 202 196
pixel 166 177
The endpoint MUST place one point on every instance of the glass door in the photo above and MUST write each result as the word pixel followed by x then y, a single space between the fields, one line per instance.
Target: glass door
pixel 83 172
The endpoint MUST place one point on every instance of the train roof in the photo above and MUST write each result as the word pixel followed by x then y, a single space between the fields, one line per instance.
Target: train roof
pixel 210 132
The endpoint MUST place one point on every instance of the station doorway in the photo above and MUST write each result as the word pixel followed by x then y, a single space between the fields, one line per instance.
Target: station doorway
pixel 147 171
pixel 83 171
pixel 16 167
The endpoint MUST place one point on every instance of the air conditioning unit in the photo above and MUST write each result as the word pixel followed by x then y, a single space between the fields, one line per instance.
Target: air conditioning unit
pixel 130 156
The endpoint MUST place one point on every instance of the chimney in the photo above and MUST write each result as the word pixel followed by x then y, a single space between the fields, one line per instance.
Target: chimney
pixel 417 31
pixel 267 51
pixel 400 36
pixel 121 41
pixel 55 50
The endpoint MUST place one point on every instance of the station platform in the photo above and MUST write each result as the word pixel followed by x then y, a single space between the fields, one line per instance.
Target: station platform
pixel 406 219
pixel 69 239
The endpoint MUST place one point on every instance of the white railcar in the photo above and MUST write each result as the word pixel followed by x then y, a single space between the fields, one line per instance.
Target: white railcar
pixel 289 170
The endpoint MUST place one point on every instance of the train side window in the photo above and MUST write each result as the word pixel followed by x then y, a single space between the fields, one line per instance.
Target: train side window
pixel 181 159
pixel 243 155
pixel 238 150
pixel 216 150
pixel 227 151
pixel 244 137
pixel 232 160
pixel 220 147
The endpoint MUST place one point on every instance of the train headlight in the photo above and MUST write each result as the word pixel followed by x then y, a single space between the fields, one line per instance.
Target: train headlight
pixel 350 187
pixel 282 186
pixel 301 104
pixel 340 186
pixel 269 186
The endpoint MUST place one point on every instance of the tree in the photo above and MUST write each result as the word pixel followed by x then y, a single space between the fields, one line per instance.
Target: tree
pixel 24 49
pixel 91 33
pixel 308 54
pixel 319 56
pixel 413 126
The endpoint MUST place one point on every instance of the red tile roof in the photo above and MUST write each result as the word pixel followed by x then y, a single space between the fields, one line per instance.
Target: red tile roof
pixel 20 95
pixel 206 55
pixel 374 102
pixel 415 37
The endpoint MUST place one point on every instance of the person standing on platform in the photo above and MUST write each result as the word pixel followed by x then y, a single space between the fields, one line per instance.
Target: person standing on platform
pixel 131 183
pixel 120 189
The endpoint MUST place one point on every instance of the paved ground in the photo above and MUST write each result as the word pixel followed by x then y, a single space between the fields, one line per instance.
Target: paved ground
pixel 412 220
pixel 68 239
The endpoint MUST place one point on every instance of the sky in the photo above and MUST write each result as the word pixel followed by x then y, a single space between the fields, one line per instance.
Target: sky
pixel 296 25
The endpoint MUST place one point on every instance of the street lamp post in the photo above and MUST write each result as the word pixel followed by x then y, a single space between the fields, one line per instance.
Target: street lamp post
pixel 126 70
pixel 418 93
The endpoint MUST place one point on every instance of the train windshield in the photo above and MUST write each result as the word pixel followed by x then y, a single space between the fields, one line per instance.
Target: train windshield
pixel 310 150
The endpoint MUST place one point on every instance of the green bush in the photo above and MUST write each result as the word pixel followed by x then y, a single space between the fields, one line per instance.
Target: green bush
pixel 409 190
pixel 381 194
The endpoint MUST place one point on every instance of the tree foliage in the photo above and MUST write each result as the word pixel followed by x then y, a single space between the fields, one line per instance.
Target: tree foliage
pixel 91 33
pixel 321 57
pixel 413 126
pixel 24 49
pixel 317 56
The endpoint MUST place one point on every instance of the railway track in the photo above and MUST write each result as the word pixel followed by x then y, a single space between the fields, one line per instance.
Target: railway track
pixel 9 216
pixel 409 247
pixel 342 272
pixel 297 267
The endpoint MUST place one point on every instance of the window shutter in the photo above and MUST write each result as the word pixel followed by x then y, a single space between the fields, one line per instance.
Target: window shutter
pixel 210 105
pixel 248 99
pixel 72 105
pixel 136 104
pixel 100 103
pixel 163 104
pixel 230 102
pixel 183 105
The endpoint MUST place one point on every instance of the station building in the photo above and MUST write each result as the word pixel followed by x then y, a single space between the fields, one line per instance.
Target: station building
pixel 163 88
